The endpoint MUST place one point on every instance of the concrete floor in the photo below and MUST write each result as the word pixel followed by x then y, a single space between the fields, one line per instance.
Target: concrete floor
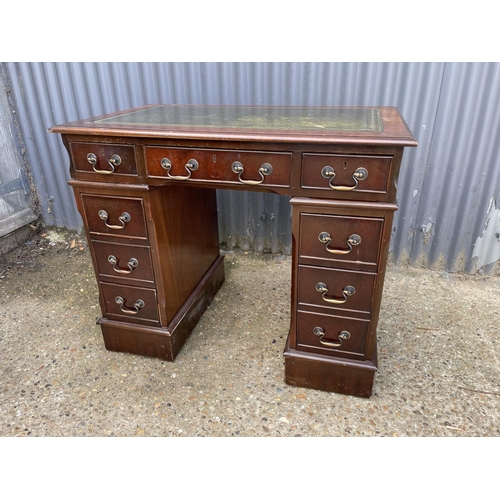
pixel 439 357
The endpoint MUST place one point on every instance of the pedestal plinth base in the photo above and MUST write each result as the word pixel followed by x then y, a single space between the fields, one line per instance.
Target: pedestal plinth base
pixel 329 374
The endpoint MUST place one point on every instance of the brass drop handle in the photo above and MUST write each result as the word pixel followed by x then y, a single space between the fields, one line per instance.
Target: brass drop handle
pixel 343 335
pixel 325 238
pixel 131 264
pixel 190 167
pixel 139 304
pixel 265 169
pixel 124 218
pixel 359 175
pixel 346 292
pixel 114 161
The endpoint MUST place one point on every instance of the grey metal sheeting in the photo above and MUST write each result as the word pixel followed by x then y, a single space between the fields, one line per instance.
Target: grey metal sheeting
pixel 448 189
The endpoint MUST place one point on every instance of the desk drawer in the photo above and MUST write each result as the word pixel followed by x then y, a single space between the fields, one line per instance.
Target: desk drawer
pixel 124 263
pixel 234 167
pixel 332 288
pixel 340 241
pixel 118 216
pixel 348 176
pixel 331 335
pixel 106 161
pixel 131 304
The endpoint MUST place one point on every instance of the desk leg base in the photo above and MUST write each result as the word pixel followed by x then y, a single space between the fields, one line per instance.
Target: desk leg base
pixel 165 343
pixel 329 374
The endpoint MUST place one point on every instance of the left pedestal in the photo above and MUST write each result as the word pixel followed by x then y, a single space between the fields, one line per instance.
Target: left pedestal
pixel 156 274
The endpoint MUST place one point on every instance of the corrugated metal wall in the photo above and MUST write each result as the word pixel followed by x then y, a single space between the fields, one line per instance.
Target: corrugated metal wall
pixel 449 186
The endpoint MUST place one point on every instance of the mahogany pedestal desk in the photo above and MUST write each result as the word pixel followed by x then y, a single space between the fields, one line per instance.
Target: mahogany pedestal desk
pixel 144 182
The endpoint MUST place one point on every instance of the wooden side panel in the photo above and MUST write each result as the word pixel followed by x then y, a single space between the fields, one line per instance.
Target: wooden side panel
pixel 184 241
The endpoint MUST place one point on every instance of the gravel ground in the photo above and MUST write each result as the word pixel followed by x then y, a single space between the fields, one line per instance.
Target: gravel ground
pixel 439 357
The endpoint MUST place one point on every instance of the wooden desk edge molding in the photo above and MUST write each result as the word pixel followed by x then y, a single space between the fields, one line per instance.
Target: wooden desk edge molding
pixel 143 177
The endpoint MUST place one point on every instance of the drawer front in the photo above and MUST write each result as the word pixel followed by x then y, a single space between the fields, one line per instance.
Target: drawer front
pixel 340 241
pixel 121 216
pixel 348 176
pixel 332 335
pixel 131 304
pixel 124 263
pixel 331 288
pixel 234 167
pixel 106 161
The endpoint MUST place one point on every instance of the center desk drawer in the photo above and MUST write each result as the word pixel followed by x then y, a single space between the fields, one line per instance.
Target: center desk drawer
pixel 331 288
pixel 340 241
pixel 348 176
pixel 118 216
pixel 233 166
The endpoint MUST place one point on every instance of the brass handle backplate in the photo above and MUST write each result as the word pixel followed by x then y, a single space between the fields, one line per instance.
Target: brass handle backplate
pixel 359 175
pixel 265 169
pixel 131 264
pixel 353 240
pixel 346 292
pixel 343 335
pixel 114 161
pixel 139 304
pixel 190 167
pixel 124 218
